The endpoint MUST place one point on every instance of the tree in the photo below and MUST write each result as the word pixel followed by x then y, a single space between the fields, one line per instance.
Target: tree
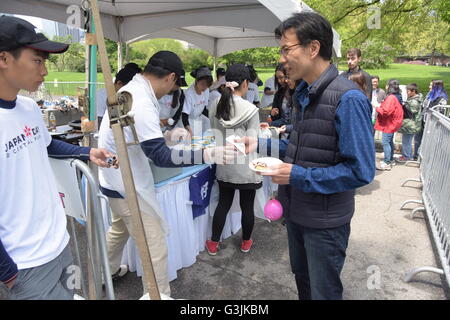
pixel 403 24
pixel 72 60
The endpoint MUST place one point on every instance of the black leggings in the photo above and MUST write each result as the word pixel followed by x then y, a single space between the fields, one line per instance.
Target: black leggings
pixel 246 201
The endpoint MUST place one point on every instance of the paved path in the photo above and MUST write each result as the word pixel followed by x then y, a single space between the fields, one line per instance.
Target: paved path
pixel 384 245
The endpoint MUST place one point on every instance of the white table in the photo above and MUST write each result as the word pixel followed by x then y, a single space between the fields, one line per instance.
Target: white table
pixel 187 236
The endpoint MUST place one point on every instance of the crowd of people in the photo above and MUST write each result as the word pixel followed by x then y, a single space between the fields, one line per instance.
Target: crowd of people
pixel 326 123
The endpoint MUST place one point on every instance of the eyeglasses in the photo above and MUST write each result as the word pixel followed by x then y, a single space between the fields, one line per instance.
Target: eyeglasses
pixel 285 50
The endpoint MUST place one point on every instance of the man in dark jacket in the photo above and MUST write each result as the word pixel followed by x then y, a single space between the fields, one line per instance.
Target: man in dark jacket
pixel 353 61
pixel 329 154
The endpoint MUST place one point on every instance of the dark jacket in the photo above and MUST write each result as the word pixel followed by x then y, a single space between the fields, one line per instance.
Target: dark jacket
pixel 313 143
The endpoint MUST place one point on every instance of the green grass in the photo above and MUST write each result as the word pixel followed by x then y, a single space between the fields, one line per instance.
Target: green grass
pixel 405 73
pixel 70 76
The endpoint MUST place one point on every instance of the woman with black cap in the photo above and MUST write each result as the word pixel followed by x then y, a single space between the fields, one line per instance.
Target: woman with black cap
pixel 234 115
pixel 195 113
pixel 171 106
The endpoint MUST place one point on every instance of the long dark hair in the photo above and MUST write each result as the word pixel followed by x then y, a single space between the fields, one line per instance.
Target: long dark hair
pixel 280 67
pixel 394 89
pixel 226 102
pixel 178 97
pixel 358 78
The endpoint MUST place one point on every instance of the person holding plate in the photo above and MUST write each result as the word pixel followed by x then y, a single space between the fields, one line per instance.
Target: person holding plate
pixel 233 115
pixel 329 154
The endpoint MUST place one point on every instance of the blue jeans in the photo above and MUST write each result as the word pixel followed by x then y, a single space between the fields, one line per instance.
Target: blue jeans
pixel 387 139
pixel 407 145
pixel 317 257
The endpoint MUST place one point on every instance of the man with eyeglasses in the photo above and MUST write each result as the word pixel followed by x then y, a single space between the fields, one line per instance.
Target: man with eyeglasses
pixel 163 71
pixel 329 154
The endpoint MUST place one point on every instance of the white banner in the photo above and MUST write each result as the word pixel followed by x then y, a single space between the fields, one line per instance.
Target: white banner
pixel 67 184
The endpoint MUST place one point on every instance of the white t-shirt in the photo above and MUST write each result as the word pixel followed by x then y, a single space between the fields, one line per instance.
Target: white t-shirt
pixel 252 93
pixel 213 96
pixel 146 116
pixel 195 103
pixel 32 219
pixel 165 103
pixel 100 101
pixel 268 99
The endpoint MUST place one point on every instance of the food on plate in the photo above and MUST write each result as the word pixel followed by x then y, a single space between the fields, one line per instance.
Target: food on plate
pixel 260 166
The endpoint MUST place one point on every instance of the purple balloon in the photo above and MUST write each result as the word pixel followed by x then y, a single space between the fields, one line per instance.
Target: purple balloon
pixel 273 210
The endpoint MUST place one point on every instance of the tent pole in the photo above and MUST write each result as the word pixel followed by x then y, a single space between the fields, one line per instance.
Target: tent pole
pixel 214 65
pixel 215 57
pixel 119 56
pixel 118 120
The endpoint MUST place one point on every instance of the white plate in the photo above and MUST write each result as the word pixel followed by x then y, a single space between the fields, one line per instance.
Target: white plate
pixel 269 161
pixel 240 146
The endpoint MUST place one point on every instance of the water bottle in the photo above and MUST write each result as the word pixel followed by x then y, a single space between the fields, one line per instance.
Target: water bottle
pixel 52 121
pixel 45 117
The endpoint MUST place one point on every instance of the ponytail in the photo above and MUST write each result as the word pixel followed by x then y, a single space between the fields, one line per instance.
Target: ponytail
pixel 175 98
pixel 225 103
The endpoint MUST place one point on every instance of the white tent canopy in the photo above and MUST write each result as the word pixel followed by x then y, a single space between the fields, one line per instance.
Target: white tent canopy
pixel 218 27
pixel 218 41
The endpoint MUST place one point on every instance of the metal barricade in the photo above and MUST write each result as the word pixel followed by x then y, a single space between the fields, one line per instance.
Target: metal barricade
pixel 89 219
pixel 435 177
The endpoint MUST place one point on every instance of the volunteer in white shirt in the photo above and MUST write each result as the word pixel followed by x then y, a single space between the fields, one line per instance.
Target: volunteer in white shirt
pixel 215 92
pixel 252 94
pixel 195 111
pixel 34 251
pixel 269 91
pixel 171 106
pixel 220 74
pixel 272 84
pixel 163 70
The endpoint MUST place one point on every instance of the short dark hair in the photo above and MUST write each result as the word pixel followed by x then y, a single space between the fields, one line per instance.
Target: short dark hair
pixel 310 26
pixel 375 77
pixel 413 87
pixel 354 51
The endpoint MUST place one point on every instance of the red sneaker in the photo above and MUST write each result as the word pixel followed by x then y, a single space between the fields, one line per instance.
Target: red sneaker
pixel 246 245
pixel 212 247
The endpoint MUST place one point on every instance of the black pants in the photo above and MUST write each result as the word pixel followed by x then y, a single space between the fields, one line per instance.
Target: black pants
pixel 246 201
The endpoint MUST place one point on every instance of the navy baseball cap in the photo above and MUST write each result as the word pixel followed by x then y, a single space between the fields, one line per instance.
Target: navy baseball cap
pixel 16 33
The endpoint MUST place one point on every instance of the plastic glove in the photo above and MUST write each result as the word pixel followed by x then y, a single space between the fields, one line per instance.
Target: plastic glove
pixel 220 155
pixel 176 135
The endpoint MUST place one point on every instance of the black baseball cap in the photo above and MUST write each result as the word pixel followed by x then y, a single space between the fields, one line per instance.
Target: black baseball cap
pixel 16 33
pixel 171 62
pixel 237 72
pixel 126 74
pixel 220 72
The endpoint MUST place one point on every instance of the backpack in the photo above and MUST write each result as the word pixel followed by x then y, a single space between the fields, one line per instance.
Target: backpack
pixel 407 113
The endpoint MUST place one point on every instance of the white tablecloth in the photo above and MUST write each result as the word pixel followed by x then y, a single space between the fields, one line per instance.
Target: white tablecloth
pixel 187 236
